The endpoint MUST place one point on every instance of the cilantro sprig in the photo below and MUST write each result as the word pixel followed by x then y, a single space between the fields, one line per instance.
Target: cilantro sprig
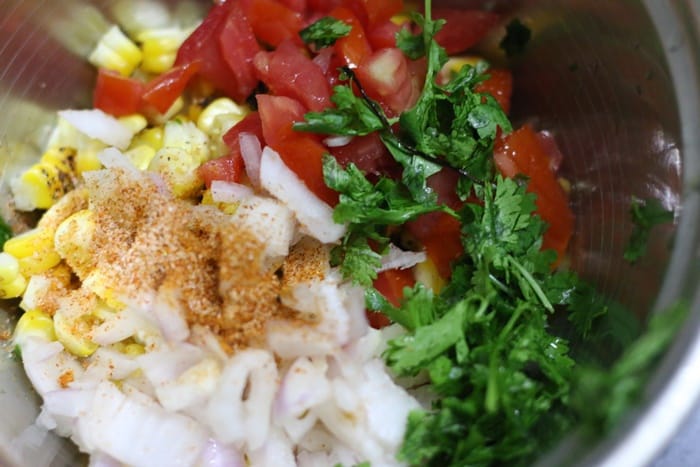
pixel 324 32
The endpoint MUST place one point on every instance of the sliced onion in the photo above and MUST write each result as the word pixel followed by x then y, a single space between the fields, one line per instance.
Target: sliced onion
pixel 251 151
pixel 337 141
pixel 99 125
pixel 229 192
pixel 315 216
pixel 397 258
pixel 113 158
pixel 217 454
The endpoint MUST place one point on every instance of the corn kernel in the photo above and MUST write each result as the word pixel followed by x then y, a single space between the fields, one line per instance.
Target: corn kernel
pixel 73 332
pixel 159 48
pixel 427 274
pixel 116 52
pixel 9 268
pixel 44 183
pixel 219 116
pixel 73 241
pixel 151 137
pixel 28 243
pixel 14 288
pixel 96 283
pixel 135 122
pixel 141 156
pixel 226 208
pixel 34 323
pixel 38 263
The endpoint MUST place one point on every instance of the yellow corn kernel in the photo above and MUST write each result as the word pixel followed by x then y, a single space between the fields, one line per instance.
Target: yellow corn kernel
pixel 134 122
pixel 227 208
pixel 427 274
pixel 29 242
pixel 38 263
pixel 159 48
pixel 14 288
pixel 9 268
pixel 401 19
pixel 129 347
pixel 87 159
pixel 151 137
pixel 219 116
pixel 141 156
pixel 44 183
pixel 96 283
pixel 116 52
pixel 73 332
pixel 34 323
pixel 73 241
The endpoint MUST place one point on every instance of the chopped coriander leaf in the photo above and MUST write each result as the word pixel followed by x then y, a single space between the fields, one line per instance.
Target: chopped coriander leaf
pixel 645 215
pixel 516 38
pixel 324 32
pixel 5 232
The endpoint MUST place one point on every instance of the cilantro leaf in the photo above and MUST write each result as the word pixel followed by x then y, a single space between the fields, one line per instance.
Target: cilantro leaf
pixel 516 38
pixel 645 215
pixel 324 32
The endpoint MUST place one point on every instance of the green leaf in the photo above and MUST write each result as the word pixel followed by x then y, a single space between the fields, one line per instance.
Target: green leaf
pixel 516 38
pixel 324 32
pixel 645 215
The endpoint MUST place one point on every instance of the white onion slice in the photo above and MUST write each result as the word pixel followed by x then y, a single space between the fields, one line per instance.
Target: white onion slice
pixel 397 258
pixel 217 454
pixel 315 216
pixel 113 158
pixel 99 125
pixel 251 151
pixel 337 141
pixel 229 192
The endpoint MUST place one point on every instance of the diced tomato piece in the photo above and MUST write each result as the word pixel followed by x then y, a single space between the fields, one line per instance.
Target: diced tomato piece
pixel 251 123
pixel 228 168
pixel 390 284
pixel 464 28
pixel 277 115
pixel 274 22
pixel 381 11
pixel 297 5
pixel 499 85
pixel 322 6
pixel 162 91
pixel 301 152
pixel 369 154
pixel 386 78
pixel 238 48
pixel 354 47
pixel 383 35
pixel 287 71
pixel 522 152
pixel 116 94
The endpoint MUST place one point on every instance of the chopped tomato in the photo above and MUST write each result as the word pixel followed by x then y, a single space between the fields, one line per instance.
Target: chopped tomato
pixel 297 5
pixel 464 28
pixel 381 11
pixel 383 35
pixel 301 152
pixel 386 78
pixel 353 48
pixel 522 152
pixel 162 91
pixel 238 48
pixel 228 168
pixel 205 45
pixel 390 284
pixel 322 6
pixel 287 71
pixel 250 124
pixel 117 95
pixel 499 85
pixel 369 154
pixel 274 22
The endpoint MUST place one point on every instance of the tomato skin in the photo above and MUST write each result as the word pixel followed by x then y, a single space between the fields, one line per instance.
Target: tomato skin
pixel 522 152
pixel 383 35
pixel 238 48
pixel 386 77
pixel 381 11
pixel 162 91
pixel 274 22
pixel 499 85
pixel 464 28
pixel 204 45
pixel 353 48
pixel 117 95
pixel 251 123
pixel 390 284
pixel 227 168
pixel 322 6
pixel 369 154
pixel 297 5
pixel 287 71
pixel 301 152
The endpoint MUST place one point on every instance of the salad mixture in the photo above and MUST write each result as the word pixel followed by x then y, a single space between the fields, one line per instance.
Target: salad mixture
pixel 300 232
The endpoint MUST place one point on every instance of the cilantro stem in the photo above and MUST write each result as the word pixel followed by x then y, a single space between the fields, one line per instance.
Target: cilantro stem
pixel 525 274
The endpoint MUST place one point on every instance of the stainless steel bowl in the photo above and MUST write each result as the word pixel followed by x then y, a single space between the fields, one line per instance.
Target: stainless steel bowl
pixel 617 82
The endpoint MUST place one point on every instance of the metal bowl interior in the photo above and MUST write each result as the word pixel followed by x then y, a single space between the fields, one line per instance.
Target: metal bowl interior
pixel 617 83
